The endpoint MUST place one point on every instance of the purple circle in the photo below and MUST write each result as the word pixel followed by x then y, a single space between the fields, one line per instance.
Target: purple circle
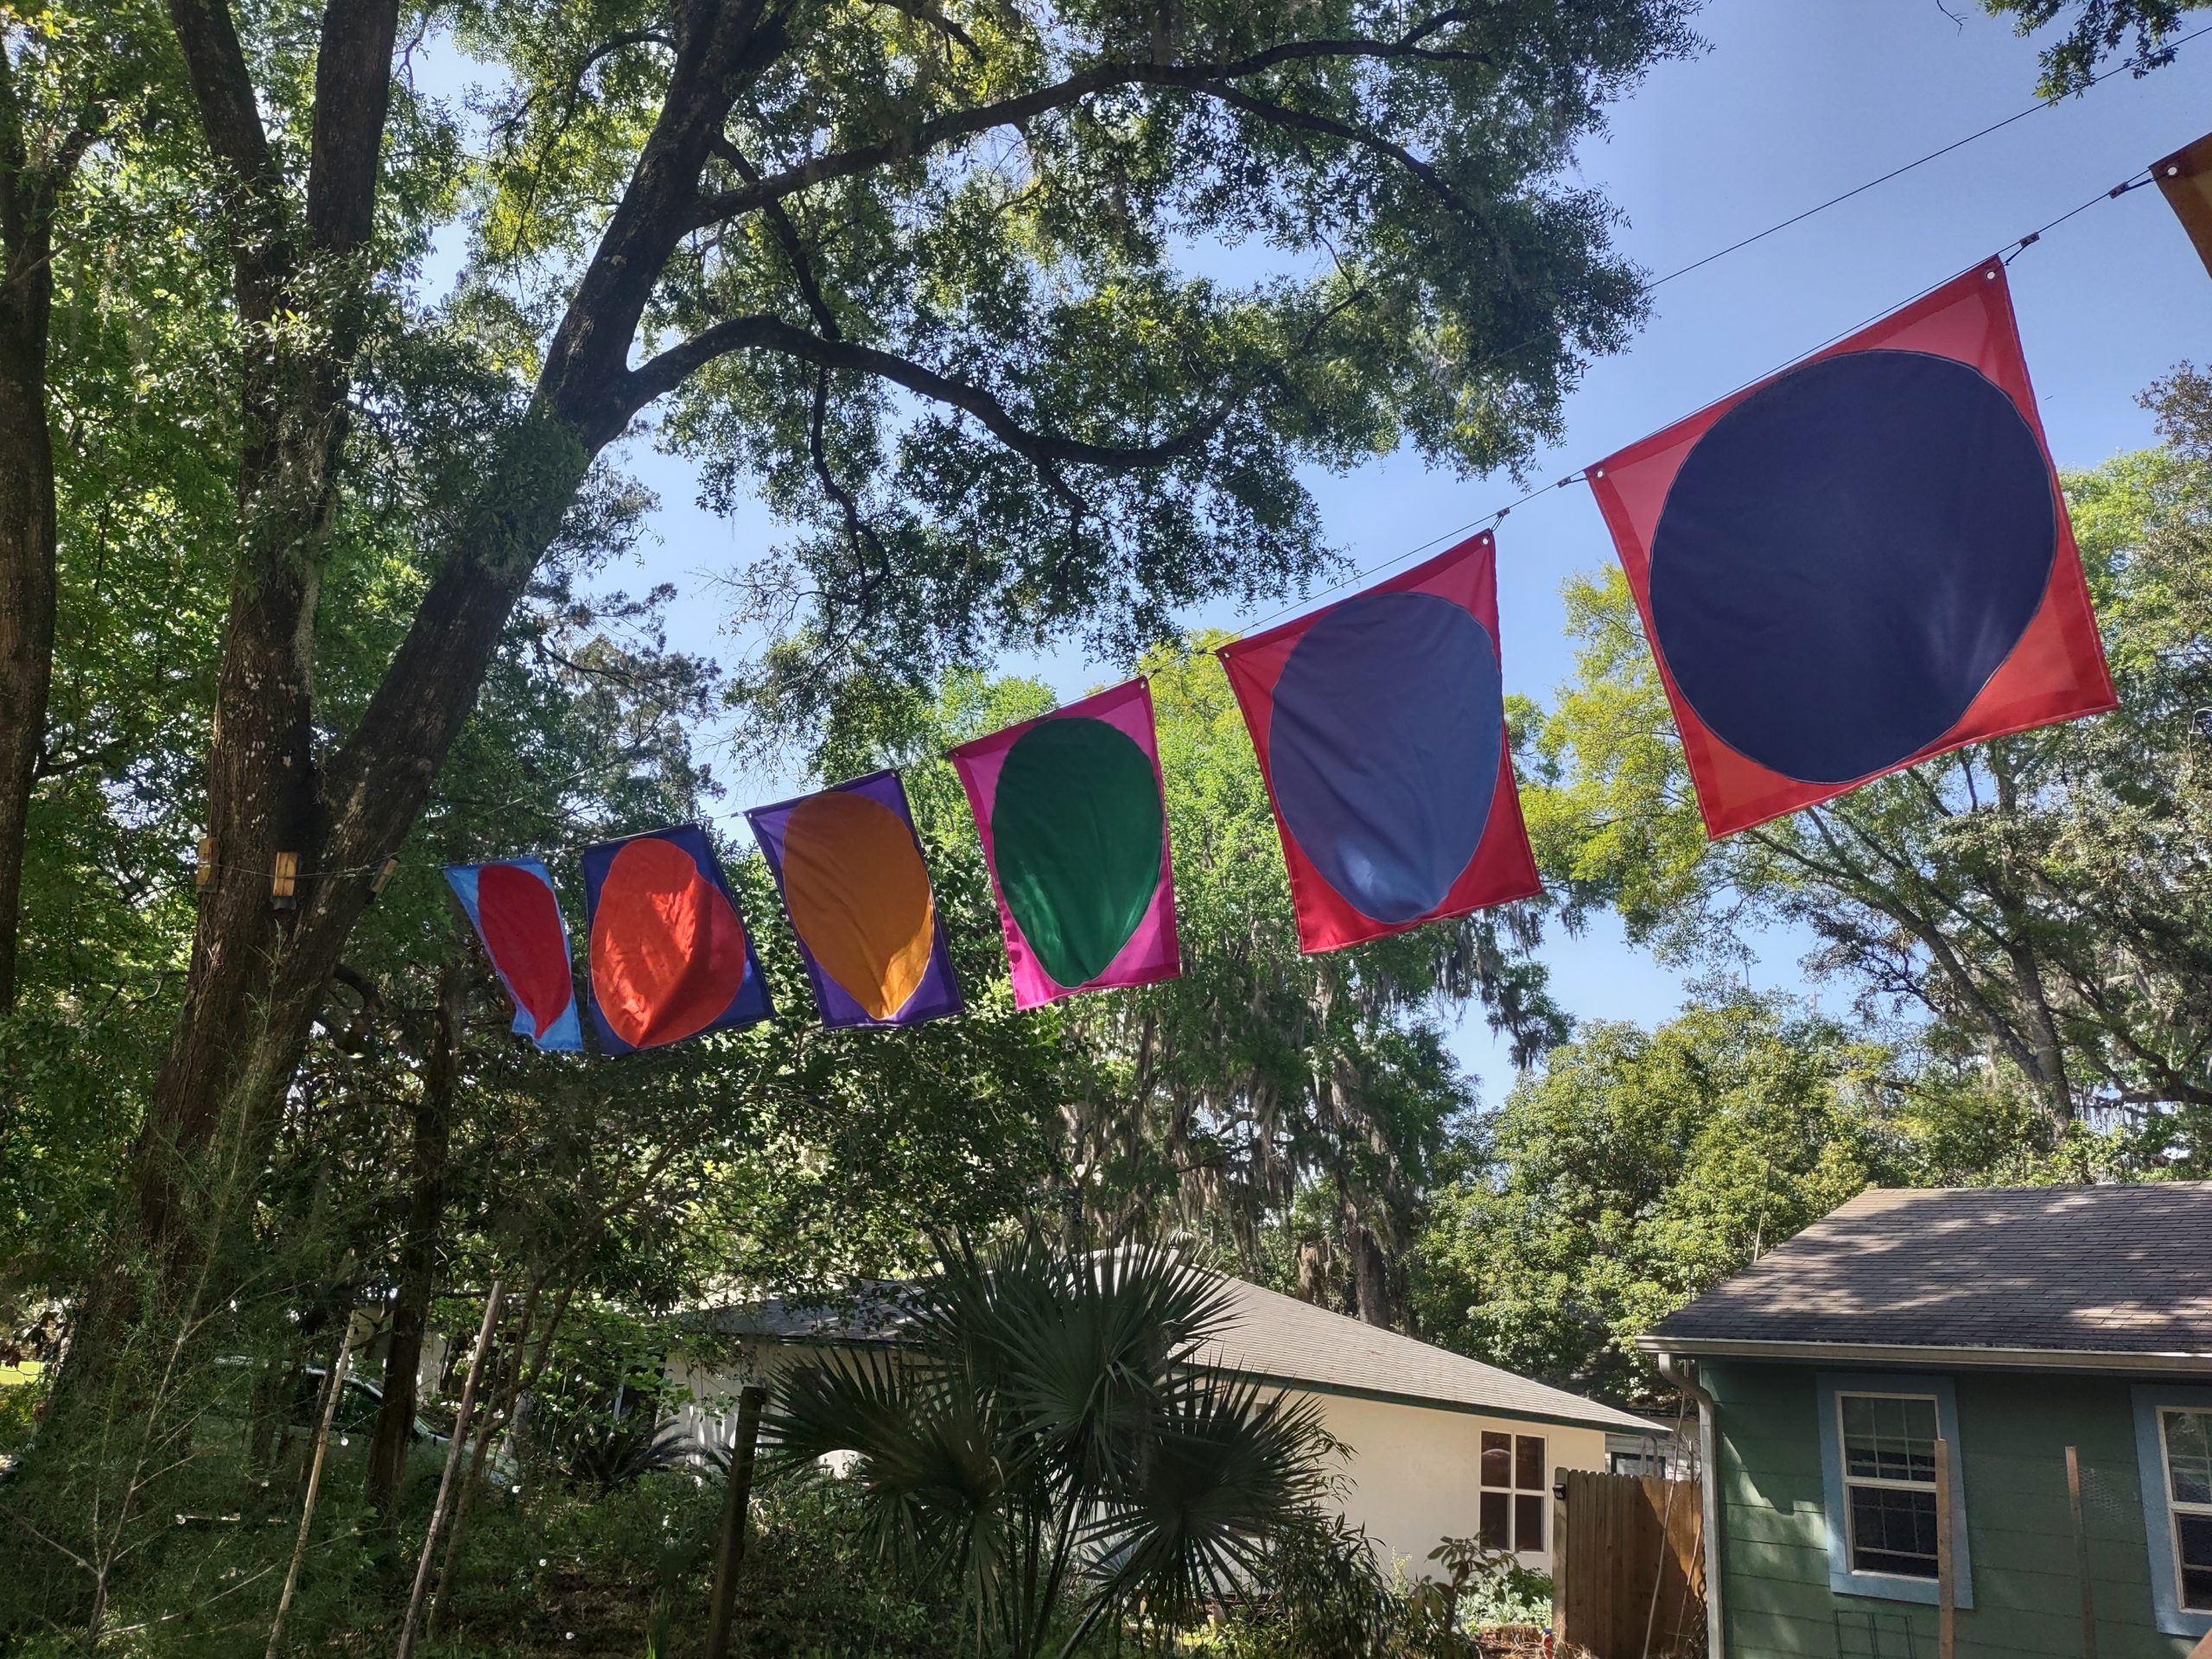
pixel 1384 744
pixel 1847 556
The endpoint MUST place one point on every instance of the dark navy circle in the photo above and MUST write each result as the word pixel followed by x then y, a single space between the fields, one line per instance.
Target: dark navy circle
pixel 1388 722
pixel 1847 556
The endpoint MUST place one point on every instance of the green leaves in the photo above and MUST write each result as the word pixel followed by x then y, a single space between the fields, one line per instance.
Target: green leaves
pixel 2097 31
pixel 1639 1169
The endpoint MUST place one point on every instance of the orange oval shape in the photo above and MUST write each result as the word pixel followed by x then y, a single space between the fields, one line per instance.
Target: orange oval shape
pixel 667 948
pixel 859 898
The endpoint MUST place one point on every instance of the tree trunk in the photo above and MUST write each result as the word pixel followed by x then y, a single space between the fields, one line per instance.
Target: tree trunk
pixel 26 587
pixel 418 1250
pixel 1370 1271
pixel 29 192
pixel 258 974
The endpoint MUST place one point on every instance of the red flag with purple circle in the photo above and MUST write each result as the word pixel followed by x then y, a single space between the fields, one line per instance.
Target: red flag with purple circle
pixel 1380 726
pixel 1860 563
pixel 669 955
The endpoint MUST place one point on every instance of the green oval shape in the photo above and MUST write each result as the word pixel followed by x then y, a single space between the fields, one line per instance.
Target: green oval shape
pixel 1077 827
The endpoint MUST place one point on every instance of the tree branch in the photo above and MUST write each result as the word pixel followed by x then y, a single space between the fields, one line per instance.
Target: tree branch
pixel 250 181
pixel 223 87
pixel 664 373
pixel 1013 111
pixel 923 12
pixel 1282 115
pixel 352 96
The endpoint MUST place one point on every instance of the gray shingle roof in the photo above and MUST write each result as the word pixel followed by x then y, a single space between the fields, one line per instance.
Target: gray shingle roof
pixel 1281 1338
pixel 2083 1269
pixel 1271 1335
pixel 873 1313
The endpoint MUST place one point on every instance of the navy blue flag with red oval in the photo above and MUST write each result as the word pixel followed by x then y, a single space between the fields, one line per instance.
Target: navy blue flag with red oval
pixel 1860 563
pixel 1380 726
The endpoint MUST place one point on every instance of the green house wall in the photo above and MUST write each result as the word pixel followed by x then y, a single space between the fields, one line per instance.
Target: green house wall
pixel 2014 1432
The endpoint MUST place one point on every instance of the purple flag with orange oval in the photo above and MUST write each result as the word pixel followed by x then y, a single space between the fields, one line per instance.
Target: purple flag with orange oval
pixel 512 907
pixel 850 866
pixel 669 955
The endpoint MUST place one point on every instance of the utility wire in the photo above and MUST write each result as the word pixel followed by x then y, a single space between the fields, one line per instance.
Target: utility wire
pixel 2010 251
pixel 2133 66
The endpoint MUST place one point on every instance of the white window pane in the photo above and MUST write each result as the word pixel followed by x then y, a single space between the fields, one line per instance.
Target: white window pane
pixel 2189 1455
pixel 2193 1533
pixel 1889 1438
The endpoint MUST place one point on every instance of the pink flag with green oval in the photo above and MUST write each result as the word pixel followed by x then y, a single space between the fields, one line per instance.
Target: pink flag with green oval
pixel 1074 826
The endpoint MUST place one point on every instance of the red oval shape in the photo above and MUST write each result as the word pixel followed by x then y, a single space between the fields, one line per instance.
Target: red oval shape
pixel 667 948
pixel 521 924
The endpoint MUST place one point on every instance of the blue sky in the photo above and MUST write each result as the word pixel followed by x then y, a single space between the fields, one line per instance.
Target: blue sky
pixel 1793 101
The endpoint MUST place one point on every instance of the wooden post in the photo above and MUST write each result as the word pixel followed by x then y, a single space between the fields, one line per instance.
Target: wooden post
pixel 453 1465
pixel 2081 1553
pixel 736 1500
pixel 1947 1589
pixel 1559 1554
pixel 336 1384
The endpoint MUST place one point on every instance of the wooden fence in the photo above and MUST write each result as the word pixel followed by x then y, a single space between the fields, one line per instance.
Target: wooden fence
pixel 1628 1566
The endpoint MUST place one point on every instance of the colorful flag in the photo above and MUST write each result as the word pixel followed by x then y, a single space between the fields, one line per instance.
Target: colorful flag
pixel 670 958
pixel 513 909
pixel 1075 831
pixel 1380 726
pixel 850 869
pixel 2185 180
pixel 1860 563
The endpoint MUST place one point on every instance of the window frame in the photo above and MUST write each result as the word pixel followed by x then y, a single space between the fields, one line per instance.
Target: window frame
pixel 2152 1401
pixel 1513 1491
pixel 1843 1578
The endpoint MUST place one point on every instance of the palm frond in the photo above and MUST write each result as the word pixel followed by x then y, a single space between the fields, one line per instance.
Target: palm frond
pixel 1231 1464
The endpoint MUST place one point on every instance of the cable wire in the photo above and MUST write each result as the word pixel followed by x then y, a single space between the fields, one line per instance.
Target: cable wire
pixel 2010 251
pixel 2131 65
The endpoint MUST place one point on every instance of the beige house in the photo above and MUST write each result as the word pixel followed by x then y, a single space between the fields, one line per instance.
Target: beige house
pixel 1440 1445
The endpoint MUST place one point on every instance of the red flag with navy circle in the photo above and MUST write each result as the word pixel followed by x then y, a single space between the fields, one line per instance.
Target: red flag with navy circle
pixel 1860 563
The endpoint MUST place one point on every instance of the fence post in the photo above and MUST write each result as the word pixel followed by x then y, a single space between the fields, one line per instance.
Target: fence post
pixel 1559 1554
pixel 1947 1590
pixel 736 1499
pixel 2081 1553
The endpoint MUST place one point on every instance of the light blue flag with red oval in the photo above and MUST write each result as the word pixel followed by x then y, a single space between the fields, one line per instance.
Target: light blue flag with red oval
pixel 516 915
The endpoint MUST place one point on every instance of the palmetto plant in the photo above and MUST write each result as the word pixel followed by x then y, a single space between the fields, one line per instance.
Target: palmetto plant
pixel 1047 1439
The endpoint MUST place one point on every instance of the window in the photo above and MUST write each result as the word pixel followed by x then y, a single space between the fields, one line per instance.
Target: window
pixel 1878 1457
pixel 1889 1482
pixel 2173 1443
pixel 2188 1436
pixel 1515 1496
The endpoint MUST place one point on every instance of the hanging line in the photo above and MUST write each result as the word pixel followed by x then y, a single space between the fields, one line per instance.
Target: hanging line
pixel 2162 54
pixel 2008 253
